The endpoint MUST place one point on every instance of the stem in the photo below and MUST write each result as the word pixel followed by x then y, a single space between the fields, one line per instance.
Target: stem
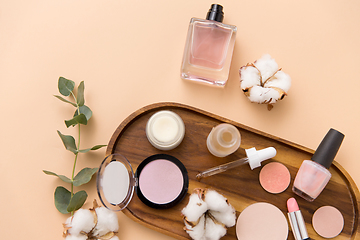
pixel 73 171
pixel 77 153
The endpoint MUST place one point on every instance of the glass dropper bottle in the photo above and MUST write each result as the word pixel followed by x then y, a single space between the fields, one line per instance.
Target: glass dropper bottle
pixel 253 158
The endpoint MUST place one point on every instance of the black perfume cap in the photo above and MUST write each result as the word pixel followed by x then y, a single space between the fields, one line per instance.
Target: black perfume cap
pixel 328 148
pixel 215 13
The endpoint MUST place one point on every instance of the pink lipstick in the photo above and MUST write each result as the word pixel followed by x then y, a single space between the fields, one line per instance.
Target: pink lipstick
pixel 296 220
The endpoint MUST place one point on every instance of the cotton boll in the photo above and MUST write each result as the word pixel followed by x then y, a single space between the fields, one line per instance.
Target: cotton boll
pixel 114 238
pixel 267 66
pixel 83 220
pixel 216 214
pixel 195 208
pixel 214 231
pixel 107 222
pixel 263 82
pixel 249 76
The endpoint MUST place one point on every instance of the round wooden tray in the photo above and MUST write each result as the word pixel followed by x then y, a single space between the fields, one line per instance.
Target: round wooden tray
pixel 240 185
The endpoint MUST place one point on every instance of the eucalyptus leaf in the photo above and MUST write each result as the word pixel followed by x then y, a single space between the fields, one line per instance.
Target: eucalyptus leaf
pixel 64 100
pixel 62 177
pixel 84 110
pixel 65 86
pixel 84 176
pixel 69 142
pixel 79 119
pixel 93 148
pixel 77 201
pixel 62 199
pixel 80 94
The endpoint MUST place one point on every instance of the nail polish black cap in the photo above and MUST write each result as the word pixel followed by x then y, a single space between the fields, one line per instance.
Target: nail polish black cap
pixel 215 13
pixel 328 148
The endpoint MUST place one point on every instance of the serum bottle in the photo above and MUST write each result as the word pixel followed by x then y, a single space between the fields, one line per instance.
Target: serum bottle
pixel 209 48
pixel 313 175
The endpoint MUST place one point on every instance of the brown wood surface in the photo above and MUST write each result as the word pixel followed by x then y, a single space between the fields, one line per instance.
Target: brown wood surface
pixel 240 185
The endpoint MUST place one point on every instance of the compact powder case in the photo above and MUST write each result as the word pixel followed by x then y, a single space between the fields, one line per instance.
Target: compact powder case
pixel 160 181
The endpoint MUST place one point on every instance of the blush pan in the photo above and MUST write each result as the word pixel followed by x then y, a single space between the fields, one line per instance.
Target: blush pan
pixel 274 177
pixel 262 221
pixel 160 181
pixel 328 221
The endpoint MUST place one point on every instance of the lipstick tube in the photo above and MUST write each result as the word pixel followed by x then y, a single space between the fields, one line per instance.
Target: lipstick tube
pixel 296 220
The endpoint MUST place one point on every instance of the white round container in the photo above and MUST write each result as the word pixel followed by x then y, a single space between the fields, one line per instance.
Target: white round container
pixel 165 130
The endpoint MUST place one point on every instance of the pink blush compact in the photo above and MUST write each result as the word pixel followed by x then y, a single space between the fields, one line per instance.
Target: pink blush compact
pixel 160 181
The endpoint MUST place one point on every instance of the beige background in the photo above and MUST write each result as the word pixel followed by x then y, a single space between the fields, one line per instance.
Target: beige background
pixel 129 55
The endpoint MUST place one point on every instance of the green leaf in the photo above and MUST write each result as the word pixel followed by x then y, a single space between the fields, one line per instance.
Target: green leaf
pixel 84 110
pixel 77 201
pixel 62 177
pixel 80 94
pixel 79 119
pixel 84 176
pixel 64 100
pixel 62 199
pixel 65 86
pixel 93 148
pixel 69 142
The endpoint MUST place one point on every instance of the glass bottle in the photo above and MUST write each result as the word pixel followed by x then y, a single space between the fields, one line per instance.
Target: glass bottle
pixel 313 175
pixel 209 48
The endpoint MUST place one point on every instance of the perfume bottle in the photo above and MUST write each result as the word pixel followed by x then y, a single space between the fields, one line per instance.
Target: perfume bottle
pixel 209 48
pixel 313 175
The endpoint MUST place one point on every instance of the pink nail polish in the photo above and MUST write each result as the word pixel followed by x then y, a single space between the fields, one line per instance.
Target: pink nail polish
pixel 208 50
pixel 313 175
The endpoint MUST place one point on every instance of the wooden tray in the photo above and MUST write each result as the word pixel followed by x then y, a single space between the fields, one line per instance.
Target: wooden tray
pixel 240 185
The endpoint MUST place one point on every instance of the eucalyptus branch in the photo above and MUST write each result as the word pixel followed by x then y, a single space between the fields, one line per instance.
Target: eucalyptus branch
pixel 67 201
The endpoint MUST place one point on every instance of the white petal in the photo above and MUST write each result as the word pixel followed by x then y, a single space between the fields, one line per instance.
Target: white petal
pixel 107 221
pixel 281 80
pixel 249 77
pixel 261 95
pixel 215 201
pixel 227 217
pixel 195 208
pixel 83 220
pixel 267 66
pixel 197 232
pixel 214 231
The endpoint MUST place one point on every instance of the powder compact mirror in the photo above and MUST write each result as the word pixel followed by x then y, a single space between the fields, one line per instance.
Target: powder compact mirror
pixel 160 181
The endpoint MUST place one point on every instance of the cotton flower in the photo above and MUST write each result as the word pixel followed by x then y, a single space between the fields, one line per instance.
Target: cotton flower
pixel 263 82
pixel 95 223
pixel 207 215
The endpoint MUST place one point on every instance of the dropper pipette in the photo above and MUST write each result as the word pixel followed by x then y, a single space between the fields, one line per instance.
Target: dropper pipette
pixel 253 157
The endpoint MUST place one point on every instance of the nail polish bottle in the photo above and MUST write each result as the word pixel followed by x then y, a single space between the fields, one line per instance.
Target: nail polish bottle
pixel 313 175
pixel 209 48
